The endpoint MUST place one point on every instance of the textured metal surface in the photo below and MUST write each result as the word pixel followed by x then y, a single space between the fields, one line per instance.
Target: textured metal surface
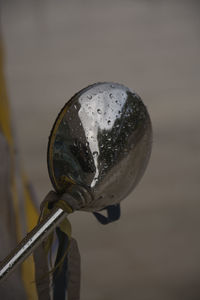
pixel 101 140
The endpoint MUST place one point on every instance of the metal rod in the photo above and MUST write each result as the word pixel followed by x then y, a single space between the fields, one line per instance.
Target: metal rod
pixel 32 240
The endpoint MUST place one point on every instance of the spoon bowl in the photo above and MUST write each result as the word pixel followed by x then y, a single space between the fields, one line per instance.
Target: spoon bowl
pixel 101 140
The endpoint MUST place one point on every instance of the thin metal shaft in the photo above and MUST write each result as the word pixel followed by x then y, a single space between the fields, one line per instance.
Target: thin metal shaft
pixel 32 240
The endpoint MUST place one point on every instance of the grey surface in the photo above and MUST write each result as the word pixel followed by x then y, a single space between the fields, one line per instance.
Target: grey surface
pixel 55 48
pixel 14 286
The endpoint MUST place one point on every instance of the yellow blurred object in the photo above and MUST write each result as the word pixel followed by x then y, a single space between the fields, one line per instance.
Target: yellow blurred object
pixel 26 214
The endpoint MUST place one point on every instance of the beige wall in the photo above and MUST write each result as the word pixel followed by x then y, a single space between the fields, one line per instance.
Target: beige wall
pixel 55 48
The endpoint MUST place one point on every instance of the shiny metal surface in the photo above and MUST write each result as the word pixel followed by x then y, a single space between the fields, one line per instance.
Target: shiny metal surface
pixel 76 198
pixel 98 150
pixel 101 140
pixel 31 241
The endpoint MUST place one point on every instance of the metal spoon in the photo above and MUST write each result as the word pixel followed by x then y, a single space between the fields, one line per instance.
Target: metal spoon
pixel 98 150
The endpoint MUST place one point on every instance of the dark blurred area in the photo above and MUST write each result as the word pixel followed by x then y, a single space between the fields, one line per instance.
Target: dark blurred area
pixel 55 48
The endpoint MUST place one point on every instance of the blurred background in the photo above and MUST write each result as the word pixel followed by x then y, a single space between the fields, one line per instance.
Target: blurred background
pixel 55 48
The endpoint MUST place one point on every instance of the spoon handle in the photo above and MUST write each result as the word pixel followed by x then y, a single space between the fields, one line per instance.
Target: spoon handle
pixel 31 241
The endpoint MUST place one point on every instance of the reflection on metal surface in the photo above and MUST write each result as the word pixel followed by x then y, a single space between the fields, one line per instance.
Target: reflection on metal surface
pixel 98 150
pixel 101 140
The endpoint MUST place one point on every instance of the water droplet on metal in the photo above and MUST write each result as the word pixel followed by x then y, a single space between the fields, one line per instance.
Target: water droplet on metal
pixel 110 134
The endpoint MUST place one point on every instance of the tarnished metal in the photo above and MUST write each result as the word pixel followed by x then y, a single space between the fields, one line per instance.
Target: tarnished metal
pixel 101 140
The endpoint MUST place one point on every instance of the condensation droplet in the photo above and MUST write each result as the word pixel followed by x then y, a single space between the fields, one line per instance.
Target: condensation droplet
pixel 99 111
pixel 108 121
pixel 95 153
pixel 89 97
